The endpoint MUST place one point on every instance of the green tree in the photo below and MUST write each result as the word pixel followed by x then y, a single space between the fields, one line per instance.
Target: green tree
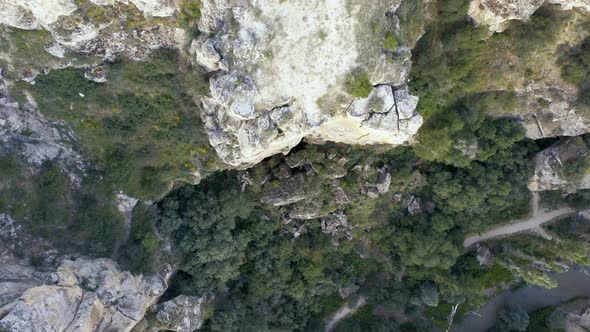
pixel 513 319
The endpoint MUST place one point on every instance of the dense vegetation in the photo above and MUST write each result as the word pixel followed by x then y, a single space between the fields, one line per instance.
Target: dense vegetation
pixel 141 127
pixel 575 64
pixel 237 248
pixel 80 219
pixel 463 75
pixel 468 173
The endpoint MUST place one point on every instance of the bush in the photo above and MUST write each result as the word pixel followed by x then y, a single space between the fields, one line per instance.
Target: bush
pixel 138 254
pixel 513 319
pixel 190 12
pixel 358 85
pixel 391 41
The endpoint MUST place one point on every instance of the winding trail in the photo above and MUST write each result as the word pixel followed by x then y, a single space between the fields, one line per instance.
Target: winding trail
pixel 343 312
pixel 533 223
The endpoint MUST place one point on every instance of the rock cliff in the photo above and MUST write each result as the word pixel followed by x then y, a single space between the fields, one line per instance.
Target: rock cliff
pixel 49 292
pixel 498 13
pixel 280 74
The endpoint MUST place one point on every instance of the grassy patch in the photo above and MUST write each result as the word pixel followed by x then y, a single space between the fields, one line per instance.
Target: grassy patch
pixel 141 127
pixel 391 42
pixel 575 64
pixel 25 49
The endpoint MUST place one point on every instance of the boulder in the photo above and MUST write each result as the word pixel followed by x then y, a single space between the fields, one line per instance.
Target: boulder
pixel 563 166
pixel 383 181
pixel 284 192
pixel 339 194
pixel 89 295
pixel 414 205
pixel 181 314
pixel 307 211
pixel 335 223
pixel 43 309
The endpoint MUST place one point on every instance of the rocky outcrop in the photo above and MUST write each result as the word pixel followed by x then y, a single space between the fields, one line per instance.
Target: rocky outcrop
pixel 380 187
pixel 88 295
pixel 181 314
pixel 550 109
pixel 41 290
pixel 336 225
pixel 99 28
pixel 577 315
pixel 563 166
pixel 277 81
pixel 497 14
pixel 546 104
pixel 284 192
pixel 25 131
pixel 44 309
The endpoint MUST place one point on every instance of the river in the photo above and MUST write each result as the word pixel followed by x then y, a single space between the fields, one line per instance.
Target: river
pixel 571 284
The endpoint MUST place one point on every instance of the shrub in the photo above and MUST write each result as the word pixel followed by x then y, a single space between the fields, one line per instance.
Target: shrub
pixel 391 41
pixel 190 12
pixel 514 319
pixel 358 85
pixel 139 251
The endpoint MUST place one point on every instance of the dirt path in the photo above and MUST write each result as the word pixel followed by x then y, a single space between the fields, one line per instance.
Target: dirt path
pixel 343 312
pixel 518 226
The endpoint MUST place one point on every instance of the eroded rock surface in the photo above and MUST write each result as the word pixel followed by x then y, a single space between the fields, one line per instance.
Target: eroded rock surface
pixel 181 314
pixel 498 13
pixel 89 295
pixel 24 130
pixel 99 28
pixel 65 293
pixel 563 166
pixel 280 71
pixel 552 111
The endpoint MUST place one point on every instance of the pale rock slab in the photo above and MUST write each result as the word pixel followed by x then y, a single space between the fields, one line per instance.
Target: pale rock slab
pixel 498 13
pixel 43 309
pixel 181 314
pixel 88 295
pixel 551 164
pixel 279 73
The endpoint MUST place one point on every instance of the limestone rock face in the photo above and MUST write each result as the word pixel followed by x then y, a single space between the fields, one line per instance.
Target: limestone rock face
pixel 552 110
pixel 280 70
pixel 562 166
pixel 24 130
pixel 283 192
pixel 44 309
pixel 577 314
pixel 181 314
pixel 498 13
pixel 86 295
